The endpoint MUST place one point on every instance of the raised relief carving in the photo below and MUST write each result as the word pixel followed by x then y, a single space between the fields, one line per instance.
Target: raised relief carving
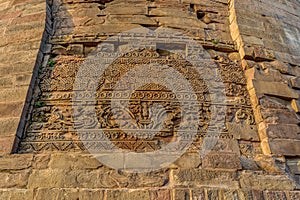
pixel 52 125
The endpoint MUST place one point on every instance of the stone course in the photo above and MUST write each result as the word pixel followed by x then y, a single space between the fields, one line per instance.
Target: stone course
pixel 22 25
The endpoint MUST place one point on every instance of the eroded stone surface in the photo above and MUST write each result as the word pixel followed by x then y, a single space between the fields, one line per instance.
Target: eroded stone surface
pixel 21 29
pixel 236 167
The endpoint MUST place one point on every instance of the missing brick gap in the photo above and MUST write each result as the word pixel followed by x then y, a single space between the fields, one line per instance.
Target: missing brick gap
pixel 192 8
pixel 151 27
pixel 101 6
pixel 102 3
pixel 200 14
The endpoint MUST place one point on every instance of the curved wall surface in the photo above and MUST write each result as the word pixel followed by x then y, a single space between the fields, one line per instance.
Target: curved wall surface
pixel 22 27
pixel 245 88
pixel 268 42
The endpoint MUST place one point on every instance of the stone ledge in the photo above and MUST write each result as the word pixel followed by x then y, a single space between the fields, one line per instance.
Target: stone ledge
pixel 283 131
pixel 275 89
pixel 285 147
pixel 264 181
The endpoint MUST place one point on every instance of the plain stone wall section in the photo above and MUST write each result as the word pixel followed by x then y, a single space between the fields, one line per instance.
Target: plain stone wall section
pixel 269 45
pixel 22 24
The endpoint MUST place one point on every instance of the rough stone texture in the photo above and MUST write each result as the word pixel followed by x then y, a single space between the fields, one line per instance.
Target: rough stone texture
pixel 188 160
pixel 16 162
pixel 258 181
pixel 21 28
pixel 201 178
pixel 15 194
pixel 274 89
pixel 285 147
pixel 257 153
pixel 243 131
pixel 57 193
pixel 295 105
pixel 272 71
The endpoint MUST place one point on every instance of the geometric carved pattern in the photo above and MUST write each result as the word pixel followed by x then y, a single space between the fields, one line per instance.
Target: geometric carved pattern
pixel 51 127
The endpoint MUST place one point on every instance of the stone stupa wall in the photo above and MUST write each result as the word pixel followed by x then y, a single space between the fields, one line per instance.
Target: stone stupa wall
pixel 253 45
